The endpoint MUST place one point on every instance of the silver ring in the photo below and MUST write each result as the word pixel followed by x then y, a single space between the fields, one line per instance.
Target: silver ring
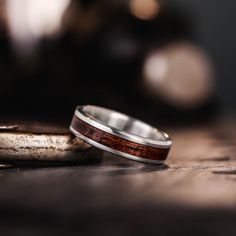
pixel 120 134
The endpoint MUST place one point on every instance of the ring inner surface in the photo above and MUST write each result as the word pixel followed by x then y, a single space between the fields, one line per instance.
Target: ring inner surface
pixel 124 123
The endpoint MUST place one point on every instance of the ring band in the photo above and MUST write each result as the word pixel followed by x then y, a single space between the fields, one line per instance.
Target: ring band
pixel 120 134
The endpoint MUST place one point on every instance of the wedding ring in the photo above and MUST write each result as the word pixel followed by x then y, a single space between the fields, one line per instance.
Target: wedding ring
pixel 120 134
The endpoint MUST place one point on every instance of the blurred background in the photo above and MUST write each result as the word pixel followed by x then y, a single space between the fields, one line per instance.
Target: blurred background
pixel 170 61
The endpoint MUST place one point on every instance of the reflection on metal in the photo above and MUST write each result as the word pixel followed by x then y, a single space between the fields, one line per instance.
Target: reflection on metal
pixel 144 9
pixel 29 20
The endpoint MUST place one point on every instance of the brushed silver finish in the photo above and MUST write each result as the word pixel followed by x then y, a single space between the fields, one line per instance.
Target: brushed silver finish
pixel 123 126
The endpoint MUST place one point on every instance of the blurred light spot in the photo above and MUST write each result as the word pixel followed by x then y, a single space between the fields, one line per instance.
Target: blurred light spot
pixel 144 9
pixel 29 20
pixel 156 68
pixel 180 74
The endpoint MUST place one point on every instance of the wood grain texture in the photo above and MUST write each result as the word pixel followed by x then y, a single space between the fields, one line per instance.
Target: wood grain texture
pixel 194 194
pixel 118 143
pixel 42 142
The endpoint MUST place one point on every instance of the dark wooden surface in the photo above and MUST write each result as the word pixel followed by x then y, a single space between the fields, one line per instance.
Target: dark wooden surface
pixel 193 194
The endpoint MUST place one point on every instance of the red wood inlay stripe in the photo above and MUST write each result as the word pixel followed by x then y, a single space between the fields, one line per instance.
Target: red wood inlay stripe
pixel 117 143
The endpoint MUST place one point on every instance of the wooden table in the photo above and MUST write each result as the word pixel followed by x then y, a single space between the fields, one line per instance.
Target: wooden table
pixel 193 194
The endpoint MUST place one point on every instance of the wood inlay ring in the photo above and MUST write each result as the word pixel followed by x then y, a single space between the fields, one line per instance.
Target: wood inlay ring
pixel 89 128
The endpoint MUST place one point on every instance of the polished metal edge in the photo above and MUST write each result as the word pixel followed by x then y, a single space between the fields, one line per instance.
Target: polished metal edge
pixel 79 113
pixel 113 151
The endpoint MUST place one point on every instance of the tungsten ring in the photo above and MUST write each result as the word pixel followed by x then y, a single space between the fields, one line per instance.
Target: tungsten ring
pixel 120 134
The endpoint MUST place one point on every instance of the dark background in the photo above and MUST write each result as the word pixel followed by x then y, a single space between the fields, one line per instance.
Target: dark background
pixel 214 28
pixel 72 68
